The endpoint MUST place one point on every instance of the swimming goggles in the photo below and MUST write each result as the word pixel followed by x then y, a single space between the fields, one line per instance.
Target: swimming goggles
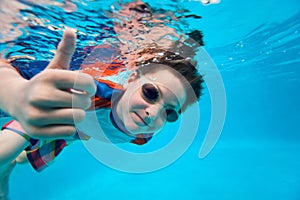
pixel 151 94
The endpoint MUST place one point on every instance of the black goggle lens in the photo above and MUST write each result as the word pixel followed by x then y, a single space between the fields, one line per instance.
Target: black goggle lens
pixel 172 115
pixel 151 94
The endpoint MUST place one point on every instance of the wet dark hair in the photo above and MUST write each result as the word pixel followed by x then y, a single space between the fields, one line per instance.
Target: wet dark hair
pixel 142 8
pixel 186 71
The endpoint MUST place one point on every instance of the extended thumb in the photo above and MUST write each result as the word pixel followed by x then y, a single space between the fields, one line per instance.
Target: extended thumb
pixel 64 51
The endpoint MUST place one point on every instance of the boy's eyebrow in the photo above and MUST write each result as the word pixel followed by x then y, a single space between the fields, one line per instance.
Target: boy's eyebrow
pixel 173 105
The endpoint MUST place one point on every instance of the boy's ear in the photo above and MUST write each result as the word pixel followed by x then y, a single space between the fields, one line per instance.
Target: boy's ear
pixel 133 76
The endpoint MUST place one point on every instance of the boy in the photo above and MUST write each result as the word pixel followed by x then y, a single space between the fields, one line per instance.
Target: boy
pixel 157 93
pixel 140 107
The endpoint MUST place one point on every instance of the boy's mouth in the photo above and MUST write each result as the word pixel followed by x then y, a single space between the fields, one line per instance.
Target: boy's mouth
pixel 141 120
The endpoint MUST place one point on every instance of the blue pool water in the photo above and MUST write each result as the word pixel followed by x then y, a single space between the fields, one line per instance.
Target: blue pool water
pixel 256 47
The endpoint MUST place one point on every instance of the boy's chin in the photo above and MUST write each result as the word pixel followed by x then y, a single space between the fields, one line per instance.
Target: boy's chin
pixel 136 130
pixel 133 129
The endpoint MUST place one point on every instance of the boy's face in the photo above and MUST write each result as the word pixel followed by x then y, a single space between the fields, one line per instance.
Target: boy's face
pixel 151 100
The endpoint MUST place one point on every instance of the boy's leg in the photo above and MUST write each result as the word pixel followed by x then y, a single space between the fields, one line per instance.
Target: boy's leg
pixel 4 180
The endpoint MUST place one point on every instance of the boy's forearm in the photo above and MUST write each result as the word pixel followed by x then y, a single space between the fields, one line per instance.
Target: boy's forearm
pixel 11 145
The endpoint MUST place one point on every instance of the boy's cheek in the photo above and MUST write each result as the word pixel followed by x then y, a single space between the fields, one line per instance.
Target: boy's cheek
pixel 131 126
pixel 136 101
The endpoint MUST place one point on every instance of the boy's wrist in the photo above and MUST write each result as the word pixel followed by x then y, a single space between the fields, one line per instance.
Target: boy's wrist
pixel 16 127
pixel 10 82
pixel 11 102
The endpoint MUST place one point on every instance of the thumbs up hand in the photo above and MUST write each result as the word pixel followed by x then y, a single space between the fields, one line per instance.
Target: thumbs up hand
pixel 48 105
pixel 64 52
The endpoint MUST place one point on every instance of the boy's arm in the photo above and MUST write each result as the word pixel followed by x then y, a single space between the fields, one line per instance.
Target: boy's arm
pixel 44 105
pixel 11 145
pixel 10 82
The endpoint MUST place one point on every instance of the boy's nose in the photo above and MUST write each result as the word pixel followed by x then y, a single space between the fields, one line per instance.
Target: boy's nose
pixel 154 111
